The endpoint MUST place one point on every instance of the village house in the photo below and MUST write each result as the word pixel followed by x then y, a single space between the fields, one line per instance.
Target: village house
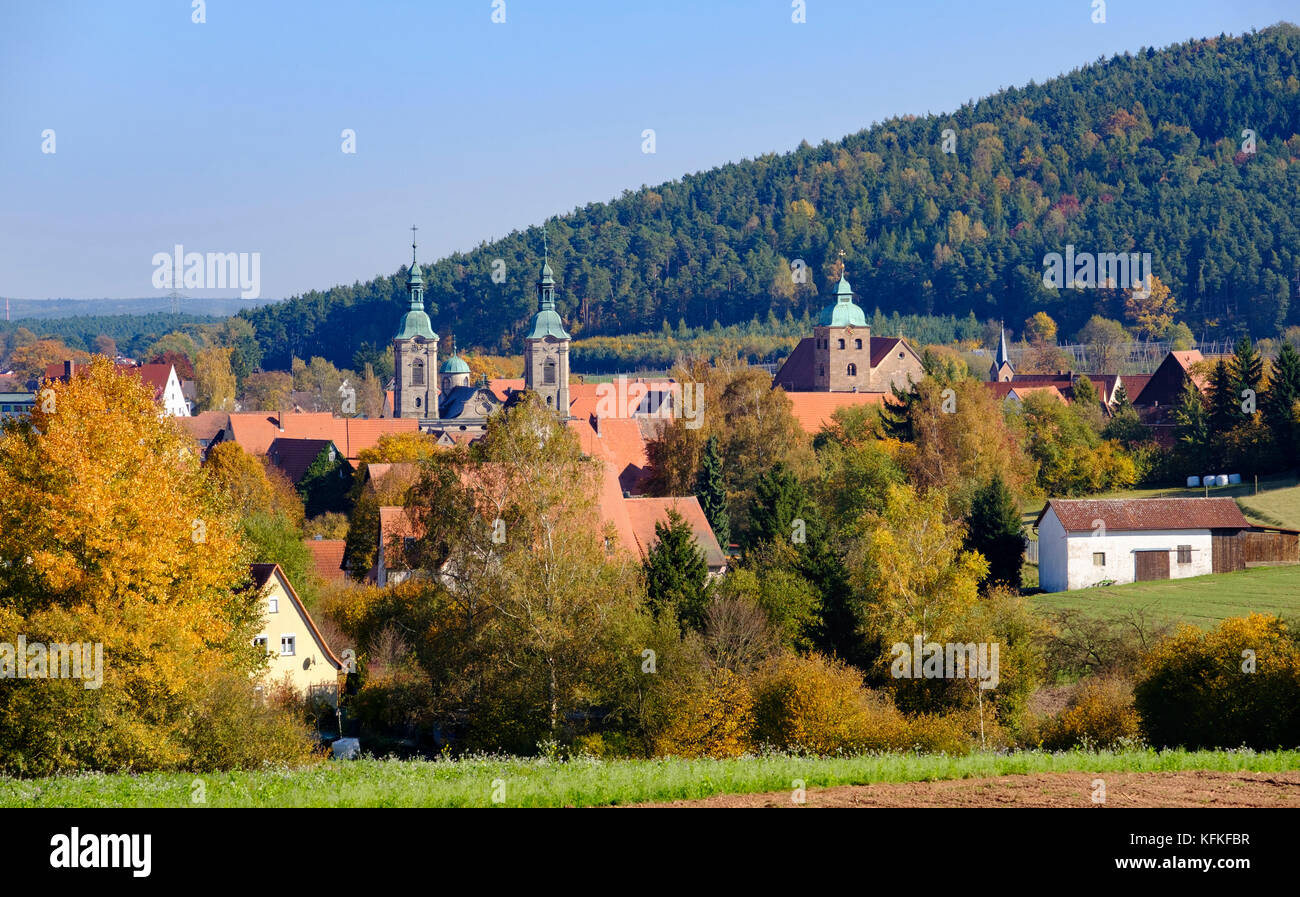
pixel 162 378
pixel 298 654
pixel 1087 542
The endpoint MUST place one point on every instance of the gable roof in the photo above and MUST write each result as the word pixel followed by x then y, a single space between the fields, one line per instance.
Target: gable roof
pixel 154 376
pixel 881 346
pixel 1126 514
pixel 796 372
pixel 616 440
pixel 205 426
pixel 351 435
pixel 327 556
pixel 262 574
pixel 294 456
pixel 645 512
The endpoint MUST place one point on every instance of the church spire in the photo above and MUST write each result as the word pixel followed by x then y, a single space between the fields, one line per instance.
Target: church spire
pixel 1004 357
pixel 415 278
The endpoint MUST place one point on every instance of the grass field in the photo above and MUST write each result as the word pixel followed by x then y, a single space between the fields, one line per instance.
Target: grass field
pixel 540 783
pixel 1202 601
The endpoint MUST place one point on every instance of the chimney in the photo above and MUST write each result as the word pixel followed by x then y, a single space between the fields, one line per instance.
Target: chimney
pixel 279 420
pixel 69 368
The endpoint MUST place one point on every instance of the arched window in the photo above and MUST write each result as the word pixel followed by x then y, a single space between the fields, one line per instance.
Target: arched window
pixel 417 372
pixel 841 344
pixel 548 372
pixel 853 370
pixel 857 344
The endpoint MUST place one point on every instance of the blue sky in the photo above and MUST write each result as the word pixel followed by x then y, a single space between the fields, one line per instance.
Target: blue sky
pixel 225 136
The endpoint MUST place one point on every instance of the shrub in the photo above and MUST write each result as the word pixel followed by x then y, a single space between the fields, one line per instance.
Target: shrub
pixel 712 718
pixel 1236 685
pixel 1099 716
pixel 819 705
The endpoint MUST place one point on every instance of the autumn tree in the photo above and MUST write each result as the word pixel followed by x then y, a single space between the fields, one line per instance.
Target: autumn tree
pixel 106 346
pixel 214 381
pixel 266 391
pixel 110 533
pixel 1150 307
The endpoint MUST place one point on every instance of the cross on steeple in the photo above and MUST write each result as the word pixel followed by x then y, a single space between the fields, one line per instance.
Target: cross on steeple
pixel 546 248
pixel 413 230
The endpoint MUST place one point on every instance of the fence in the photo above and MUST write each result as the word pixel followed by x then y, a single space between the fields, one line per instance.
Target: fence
pixel 1125 358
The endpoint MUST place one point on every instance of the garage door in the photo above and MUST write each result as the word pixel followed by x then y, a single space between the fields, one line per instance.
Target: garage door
pixel 1151 565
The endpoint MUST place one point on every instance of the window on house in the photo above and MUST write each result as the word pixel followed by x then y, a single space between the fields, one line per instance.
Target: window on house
pixel 1184 554
pixel 853 370
pixel 288 645
pixel 408 545
pixel 259 642
pixel 841 344
pixel 1099 558
pixel 417 373
pixel 273 605
pixel 821 370
pixel 857 344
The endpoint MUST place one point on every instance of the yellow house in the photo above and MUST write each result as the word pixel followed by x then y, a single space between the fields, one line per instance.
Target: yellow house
pixel 298 653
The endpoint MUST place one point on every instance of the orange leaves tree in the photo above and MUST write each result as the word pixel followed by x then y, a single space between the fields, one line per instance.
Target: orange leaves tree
pixel 110 533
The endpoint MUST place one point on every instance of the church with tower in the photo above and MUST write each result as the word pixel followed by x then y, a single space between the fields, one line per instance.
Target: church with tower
pixel 843 357
pixel 445 399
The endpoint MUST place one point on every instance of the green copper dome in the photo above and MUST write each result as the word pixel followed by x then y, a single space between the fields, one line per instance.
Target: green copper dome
pixel 547 323
pixel 415 275
pixel 454 365
pixel 843 312
pixel 416 323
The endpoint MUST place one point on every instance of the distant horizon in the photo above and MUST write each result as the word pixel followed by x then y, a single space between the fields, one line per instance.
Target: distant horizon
pixel 164 135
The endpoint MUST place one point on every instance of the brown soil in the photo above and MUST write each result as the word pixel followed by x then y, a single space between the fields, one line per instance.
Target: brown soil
pixel 1066 789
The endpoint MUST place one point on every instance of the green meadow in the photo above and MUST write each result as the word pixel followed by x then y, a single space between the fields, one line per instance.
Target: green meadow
pixel 486 782
pixel 1201 601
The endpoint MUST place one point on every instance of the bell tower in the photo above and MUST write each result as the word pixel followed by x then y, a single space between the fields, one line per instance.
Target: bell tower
pixel 415 353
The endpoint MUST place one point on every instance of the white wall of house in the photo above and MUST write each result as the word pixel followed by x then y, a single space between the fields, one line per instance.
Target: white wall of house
pixel 1066 560
pixel 173 397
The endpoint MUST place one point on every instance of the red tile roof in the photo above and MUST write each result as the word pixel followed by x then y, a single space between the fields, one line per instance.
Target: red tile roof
pixel 813 410
pixel 351 435
pixel 154 375
pixel 1124 514
pixel 327 555
pixel 644 513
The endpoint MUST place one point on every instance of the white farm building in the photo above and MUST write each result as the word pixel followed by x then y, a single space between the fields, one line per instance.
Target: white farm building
pixel 1085 542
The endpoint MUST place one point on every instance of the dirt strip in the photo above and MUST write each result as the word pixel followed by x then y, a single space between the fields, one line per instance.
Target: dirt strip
pixel 1066 789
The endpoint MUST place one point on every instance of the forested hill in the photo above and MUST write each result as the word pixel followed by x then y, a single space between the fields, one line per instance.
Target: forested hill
pixel 1138 153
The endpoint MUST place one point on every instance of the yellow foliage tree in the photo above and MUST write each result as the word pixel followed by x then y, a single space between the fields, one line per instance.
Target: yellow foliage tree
pixel 110 534
pixel 1151 311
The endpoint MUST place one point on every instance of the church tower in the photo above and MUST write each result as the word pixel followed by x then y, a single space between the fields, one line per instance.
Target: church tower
pixel 546 347
pixel 415 353
pixel 1001 370
pixel 842 345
